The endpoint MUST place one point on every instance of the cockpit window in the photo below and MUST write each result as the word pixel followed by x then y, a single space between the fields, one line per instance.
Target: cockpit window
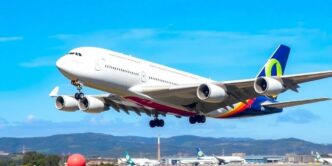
pixel 75 53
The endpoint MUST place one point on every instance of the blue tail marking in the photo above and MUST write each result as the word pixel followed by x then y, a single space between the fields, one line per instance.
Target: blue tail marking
pixel 276 65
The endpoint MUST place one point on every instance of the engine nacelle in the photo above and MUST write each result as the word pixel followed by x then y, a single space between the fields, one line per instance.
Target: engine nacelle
pixel 66 103
pixel 211 93
pixel 268 86
pixel 92 105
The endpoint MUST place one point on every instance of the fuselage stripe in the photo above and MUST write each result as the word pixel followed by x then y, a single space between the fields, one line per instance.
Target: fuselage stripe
pixel 159 107
pixel 238 109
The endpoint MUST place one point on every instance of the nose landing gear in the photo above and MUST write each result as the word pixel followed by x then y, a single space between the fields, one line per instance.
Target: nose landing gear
pixel 79 86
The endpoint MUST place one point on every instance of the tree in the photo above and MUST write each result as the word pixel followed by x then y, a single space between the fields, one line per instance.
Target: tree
pixel 52 160
pixel 34 158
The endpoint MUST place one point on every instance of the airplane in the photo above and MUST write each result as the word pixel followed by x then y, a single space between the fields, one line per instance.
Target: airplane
pixel 221 159
pixel 324 161
pixel 138 86
pixel 139 161
pixel 196 161
pixel 129 161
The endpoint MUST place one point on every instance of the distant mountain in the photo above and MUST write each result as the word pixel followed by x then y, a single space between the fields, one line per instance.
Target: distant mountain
pixel 93 144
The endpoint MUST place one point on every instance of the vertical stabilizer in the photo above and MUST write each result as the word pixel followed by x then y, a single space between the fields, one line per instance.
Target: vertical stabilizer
pixel 276 65
pixel 200 153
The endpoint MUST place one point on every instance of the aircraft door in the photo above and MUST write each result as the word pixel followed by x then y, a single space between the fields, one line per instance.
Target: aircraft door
pixel 144 76
pixel 99 64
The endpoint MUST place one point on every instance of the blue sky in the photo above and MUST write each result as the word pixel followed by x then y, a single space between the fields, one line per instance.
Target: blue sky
pixel 223 40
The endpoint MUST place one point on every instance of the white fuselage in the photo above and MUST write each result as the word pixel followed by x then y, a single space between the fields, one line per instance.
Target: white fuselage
pixel 121 74
pixel 231 159
pixel 198 161
pixel 325 160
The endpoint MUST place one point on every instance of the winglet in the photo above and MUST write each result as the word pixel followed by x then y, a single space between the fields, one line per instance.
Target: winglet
pixel 54 92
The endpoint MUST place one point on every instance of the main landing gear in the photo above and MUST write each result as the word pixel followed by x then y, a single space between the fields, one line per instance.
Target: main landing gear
pixel 79 86
pixel 156 122
pixel 197 119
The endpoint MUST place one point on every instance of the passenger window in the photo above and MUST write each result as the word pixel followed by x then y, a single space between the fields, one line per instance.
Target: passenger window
pixel 75 53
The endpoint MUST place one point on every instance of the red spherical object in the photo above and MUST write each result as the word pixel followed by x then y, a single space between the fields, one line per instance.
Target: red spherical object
pixel 76 160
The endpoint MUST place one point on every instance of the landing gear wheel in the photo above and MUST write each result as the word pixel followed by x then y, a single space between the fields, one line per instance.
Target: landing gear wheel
pixel 152 123
pixel 161 123
pixel 197 119
pixel 157 123
pixel 79 86
pixel 202 119
pixel 192 120
pixel 79 95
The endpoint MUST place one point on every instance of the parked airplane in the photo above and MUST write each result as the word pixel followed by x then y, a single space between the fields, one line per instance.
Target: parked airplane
pixel 140 86
pixel 325 161
pixel 196 161
pixel 220 159
pixel 139 161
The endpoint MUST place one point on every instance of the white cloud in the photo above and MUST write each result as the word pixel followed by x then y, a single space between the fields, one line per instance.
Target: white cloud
pixel 10 38
pixel 62 36
pixel 138 34
pixel 297 117
pixel 3 122
pixel 31 118
pixel 39 62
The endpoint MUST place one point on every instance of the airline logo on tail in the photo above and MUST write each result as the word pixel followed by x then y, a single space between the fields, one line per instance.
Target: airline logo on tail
pixel 269 66
pixel 276 65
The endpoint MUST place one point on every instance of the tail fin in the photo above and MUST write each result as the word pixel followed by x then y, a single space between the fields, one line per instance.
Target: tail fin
pixel 128 159
pixel 127 156
pixel 200 153
pixel 276 65
pixel 317 156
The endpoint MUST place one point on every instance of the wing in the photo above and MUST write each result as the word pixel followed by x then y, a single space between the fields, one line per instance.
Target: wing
pixel 238 91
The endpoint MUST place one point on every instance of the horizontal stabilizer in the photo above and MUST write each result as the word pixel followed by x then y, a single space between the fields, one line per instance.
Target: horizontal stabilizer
pixel 54 92
pixel 281 105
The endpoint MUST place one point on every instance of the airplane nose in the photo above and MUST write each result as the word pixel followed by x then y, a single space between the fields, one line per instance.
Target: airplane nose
pixel 68 67
pixel 59 63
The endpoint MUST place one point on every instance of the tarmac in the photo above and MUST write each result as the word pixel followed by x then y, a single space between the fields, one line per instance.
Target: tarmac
pixel 279 164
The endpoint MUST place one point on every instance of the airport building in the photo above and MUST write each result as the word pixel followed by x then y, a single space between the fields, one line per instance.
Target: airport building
pixel 294 158
pixel 102 161
pixel 3 153
pixel 263 159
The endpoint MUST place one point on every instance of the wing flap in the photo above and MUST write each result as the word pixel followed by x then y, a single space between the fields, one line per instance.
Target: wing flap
pixel 281 105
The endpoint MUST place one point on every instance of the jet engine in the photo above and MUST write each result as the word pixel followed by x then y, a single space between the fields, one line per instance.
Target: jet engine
pixel 66 103
pixel 92 105
pixel 211 93
pixel 268 86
